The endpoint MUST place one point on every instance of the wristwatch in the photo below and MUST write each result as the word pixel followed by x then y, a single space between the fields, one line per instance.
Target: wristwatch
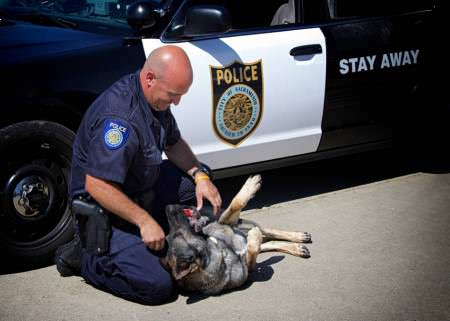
pixel 204 169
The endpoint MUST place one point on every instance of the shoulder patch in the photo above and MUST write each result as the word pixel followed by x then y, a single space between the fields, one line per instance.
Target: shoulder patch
pixel 115 133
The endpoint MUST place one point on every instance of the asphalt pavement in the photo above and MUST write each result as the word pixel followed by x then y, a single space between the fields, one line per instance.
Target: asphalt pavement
pixel 381 251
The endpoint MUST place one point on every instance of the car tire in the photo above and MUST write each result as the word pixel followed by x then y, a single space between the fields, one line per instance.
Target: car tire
pixel 35 215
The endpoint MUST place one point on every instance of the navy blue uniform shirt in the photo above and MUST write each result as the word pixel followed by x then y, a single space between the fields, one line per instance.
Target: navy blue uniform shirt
pixel 121 139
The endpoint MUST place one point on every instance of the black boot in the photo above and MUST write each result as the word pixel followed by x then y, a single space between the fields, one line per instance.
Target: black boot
pixel 68 257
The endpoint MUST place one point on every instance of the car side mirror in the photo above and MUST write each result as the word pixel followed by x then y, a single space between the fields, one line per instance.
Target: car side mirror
pixel 142 15
pixel 206 19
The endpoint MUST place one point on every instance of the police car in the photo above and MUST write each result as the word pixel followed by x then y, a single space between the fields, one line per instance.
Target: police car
pixel 275 83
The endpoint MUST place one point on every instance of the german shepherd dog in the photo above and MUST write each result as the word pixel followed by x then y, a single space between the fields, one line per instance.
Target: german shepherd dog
pixel 210 257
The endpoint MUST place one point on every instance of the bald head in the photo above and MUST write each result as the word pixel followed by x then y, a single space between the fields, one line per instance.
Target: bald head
pixel 169 60
pixel 166 76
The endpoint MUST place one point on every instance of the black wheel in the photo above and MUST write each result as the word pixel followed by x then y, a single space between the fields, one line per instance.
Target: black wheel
pixel 35 215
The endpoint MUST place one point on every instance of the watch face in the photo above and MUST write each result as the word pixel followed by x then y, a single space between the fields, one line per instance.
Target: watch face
pixel 205 169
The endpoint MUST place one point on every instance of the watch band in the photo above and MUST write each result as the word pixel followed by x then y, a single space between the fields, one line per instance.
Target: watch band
pixel 199 169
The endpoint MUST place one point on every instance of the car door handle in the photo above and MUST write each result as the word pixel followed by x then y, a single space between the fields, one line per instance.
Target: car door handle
pixel 306 50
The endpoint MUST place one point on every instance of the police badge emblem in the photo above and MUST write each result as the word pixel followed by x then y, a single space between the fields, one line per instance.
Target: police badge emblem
pixel 237 92
pixel 115 134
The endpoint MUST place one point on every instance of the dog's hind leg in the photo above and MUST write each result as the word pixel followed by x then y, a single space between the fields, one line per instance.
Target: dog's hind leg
pixel 231 215
pixel 292 248
pixel 254 240
pixel 273 234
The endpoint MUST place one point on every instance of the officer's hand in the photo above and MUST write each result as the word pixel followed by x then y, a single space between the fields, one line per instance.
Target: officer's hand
pixel 152 234
pixel 206 189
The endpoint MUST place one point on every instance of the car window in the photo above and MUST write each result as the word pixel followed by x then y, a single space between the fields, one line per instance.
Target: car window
pixel 102 16
pixel 358 8
pixel 252 14
pixel 245 15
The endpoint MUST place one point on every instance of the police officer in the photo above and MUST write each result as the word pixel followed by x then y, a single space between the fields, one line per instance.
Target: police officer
pixel 117 161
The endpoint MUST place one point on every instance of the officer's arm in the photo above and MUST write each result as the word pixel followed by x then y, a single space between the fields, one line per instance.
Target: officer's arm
pixel 111 197
pixel 182 156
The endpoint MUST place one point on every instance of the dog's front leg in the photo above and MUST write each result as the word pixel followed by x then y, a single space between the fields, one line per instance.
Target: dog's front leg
pixel 254 240
pixel 231 215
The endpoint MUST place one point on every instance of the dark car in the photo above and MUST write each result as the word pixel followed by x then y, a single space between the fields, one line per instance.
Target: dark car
pixel 274 83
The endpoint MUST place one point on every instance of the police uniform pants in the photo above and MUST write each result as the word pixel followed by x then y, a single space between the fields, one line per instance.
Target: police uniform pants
pixel 130 269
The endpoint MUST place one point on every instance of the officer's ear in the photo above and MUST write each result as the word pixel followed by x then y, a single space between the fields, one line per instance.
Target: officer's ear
pixel 150 77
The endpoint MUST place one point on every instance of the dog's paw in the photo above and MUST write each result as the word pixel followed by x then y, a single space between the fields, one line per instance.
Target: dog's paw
pixel 251 186
pixel 300 250
pixel 305 237
pixel 303 251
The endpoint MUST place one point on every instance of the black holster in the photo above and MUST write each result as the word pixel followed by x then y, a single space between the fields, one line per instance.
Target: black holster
pixel 94 226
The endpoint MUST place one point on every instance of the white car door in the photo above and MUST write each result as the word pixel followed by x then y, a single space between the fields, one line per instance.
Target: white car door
pixel 255 97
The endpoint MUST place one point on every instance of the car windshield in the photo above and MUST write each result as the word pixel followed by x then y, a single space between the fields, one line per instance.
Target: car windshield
pixel 102 16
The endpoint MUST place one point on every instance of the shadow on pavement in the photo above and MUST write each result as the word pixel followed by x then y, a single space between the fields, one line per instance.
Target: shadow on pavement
pixel 10 266
pixel 304 180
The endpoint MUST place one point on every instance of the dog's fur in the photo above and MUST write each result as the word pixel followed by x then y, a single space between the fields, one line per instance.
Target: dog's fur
pixel 217 256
